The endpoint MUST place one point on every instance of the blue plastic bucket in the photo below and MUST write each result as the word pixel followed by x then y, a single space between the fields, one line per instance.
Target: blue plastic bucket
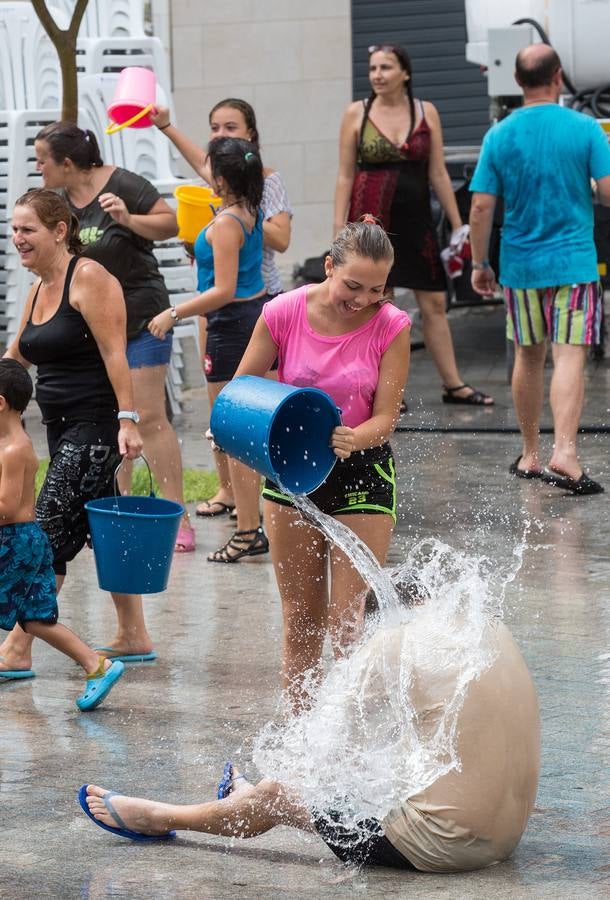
pixel 133 541
pixel 280 430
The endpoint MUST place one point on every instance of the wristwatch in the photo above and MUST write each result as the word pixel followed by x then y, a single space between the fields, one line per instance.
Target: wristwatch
pixel 173 313
pixel 132 415
pixel 481 265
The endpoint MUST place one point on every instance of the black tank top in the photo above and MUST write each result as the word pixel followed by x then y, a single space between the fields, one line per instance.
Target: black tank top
pixel 71 381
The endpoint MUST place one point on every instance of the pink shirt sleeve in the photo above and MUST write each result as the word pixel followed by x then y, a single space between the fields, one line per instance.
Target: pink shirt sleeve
pixel 279 313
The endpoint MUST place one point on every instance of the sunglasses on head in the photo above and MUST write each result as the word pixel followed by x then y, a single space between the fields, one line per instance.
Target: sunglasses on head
pixel 384 48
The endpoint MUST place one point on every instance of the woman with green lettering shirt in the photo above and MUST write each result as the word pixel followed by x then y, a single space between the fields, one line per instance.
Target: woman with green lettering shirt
pixel 121 214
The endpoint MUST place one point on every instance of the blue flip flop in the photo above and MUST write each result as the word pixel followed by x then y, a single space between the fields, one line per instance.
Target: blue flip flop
pixel 226 783
pixel 8 674
pixel 98 688
pixel 121 830
pixel 127 657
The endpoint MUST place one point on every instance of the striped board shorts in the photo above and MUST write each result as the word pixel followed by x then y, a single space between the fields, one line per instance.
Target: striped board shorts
pixel 568 314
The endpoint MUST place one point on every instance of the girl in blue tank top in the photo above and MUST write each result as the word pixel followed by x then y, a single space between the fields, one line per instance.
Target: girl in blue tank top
pixel 229 255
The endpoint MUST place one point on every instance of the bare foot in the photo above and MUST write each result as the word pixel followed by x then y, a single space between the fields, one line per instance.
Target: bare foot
pixel 143 816
pixel 564 466
pixel 529 462
pixel 122 647
pixel 10 661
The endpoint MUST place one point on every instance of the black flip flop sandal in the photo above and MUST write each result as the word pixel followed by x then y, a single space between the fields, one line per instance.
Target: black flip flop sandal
pixel 241 545
pixel 582 485
pixel 477 398
pixel 222 511
pixel 523 473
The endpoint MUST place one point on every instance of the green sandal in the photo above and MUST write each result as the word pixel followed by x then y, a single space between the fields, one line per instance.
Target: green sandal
pixel 251 542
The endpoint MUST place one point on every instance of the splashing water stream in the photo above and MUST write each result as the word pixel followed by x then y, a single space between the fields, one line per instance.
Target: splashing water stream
pixel 360 749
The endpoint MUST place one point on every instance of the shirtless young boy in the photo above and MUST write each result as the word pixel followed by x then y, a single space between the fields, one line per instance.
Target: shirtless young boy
pixel 27 580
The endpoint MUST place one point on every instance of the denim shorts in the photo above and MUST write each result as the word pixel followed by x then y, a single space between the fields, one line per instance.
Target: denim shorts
pixel 146 350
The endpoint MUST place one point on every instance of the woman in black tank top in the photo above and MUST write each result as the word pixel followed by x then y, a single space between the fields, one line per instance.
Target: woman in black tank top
pixel 78 346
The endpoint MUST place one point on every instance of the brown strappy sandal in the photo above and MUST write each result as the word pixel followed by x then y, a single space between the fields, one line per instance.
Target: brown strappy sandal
pixel 251 542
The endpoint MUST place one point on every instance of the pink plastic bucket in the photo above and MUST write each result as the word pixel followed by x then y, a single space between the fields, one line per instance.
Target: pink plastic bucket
pixel 135 96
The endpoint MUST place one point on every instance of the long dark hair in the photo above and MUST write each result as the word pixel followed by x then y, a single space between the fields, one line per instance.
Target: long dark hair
pixel 238 162
pixel 52 209
pixel 404 62
pixel 66 140
pixel 247 112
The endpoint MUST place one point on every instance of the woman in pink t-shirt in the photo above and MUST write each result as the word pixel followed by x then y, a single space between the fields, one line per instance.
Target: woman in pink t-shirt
pixel 342 337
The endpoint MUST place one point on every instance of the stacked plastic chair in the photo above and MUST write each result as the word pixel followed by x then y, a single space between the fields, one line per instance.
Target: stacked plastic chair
pixel 112 36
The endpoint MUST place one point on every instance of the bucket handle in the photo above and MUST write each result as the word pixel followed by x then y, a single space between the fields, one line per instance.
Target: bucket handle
pixel 118 494
pixel 113 127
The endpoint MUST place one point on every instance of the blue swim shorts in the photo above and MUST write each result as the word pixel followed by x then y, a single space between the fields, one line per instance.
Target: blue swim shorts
pixel 27 579
pixel 147 350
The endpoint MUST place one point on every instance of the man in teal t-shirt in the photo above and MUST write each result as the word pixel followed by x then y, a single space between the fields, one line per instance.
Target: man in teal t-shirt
pixel 542 160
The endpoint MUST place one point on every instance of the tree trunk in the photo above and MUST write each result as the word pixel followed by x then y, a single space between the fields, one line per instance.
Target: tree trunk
pixel 64 41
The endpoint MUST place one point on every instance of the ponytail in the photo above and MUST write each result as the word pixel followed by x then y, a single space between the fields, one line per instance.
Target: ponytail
pixel 365 238
pixel 239 164
pixel 66 140
pixel 75 245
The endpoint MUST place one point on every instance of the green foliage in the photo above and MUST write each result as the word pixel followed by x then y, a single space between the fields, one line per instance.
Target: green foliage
pixel 198 484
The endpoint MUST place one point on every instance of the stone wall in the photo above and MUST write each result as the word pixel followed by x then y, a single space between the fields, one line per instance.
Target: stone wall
pixel 290 59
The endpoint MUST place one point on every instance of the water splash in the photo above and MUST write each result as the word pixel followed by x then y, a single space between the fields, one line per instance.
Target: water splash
pixel 361 748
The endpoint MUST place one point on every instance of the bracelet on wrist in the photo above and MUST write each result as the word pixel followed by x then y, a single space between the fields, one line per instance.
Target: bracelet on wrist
pixel 173 313
pixel 481 265
pixel 163 127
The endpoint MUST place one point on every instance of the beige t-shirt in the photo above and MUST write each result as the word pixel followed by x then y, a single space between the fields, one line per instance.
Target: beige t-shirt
pixel 474 817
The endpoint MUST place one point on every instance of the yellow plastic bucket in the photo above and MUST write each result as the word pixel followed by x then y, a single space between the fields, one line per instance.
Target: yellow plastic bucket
pixel 196 208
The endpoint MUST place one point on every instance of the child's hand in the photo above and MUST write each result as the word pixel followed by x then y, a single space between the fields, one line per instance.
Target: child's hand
pixel 343 441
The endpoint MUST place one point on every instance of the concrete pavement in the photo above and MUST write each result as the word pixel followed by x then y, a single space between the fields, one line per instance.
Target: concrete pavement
pixel 168 727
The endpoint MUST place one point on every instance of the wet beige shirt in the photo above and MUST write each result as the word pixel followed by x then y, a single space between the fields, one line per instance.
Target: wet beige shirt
pixel 474 817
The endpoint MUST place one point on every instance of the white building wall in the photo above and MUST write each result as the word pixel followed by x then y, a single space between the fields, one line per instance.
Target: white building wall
pixel 292 61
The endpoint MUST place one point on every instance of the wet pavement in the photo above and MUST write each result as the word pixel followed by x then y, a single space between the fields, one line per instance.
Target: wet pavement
pixel 167 728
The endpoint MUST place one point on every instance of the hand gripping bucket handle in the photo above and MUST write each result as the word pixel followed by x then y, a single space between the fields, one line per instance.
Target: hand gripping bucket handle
pixel 134 98
pixel 133 540
pixel 113 127
pixel 280 430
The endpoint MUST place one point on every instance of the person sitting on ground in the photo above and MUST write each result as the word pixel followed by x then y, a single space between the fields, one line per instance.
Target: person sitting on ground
pixel 27 579
pixel 471 815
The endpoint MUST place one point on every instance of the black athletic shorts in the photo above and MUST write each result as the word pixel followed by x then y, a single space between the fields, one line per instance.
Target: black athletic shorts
pixel 84 457
pixel 228 336
pixel 364 844
pixel 364 483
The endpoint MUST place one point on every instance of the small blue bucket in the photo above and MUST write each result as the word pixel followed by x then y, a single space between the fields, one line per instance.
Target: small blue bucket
pixel 279 430
pixel 133 540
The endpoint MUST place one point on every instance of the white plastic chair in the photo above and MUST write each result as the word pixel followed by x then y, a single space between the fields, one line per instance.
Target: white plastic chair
pixel 109 18
pixel 29 67
pixel 113 54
